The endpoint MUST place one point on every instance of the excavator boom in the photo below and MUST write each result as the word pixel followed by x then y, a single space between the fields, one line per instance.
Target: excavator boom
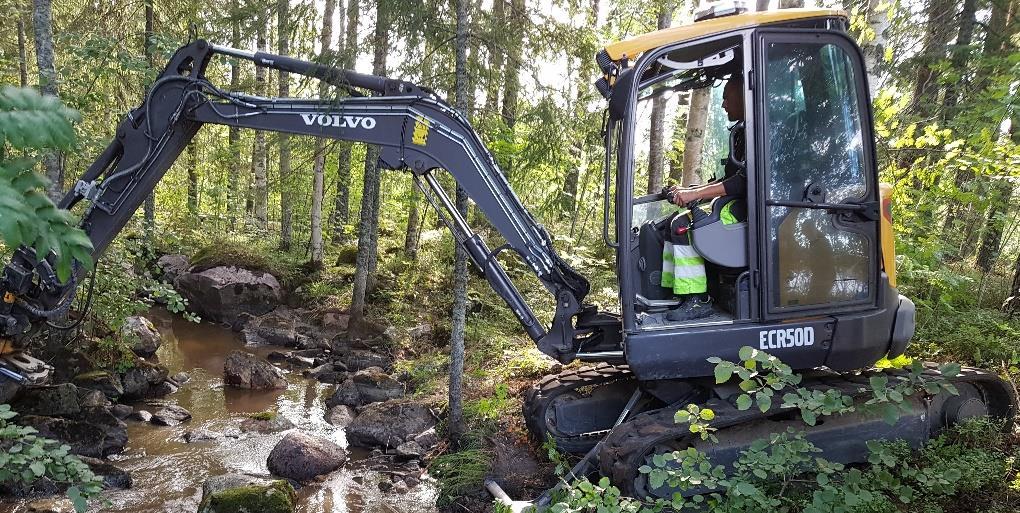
pixel 415 130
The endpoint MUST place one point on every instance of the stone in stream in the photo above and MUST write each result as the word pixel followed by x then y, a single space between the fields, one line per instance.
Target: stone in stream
pixel 140 379
pixel 274 424
pixel 410 450
pixel 50 401
pixel 201 435
pixel 121 411
pixel 236 493
pixel 181 378
pixel 366 386
pixel 225 293
pixel 427 439
pixel 245 370
pixel 92 399
pixel 50 505
pixel 109 384
pixel 300 456
pixel 340 415
pixel 96 433
pixel 389 424
pixel 143 335
pixel 171 415
pixel 113 476
pixel 141 416
pixel 359 359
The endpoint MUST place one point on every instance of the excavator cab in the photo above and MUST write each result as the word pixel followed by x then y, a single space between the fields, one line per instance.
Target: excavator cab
pixel 805 251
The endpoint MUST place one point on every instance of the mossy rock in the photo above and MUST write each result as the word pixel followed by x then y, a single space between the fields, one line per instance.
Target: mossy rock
pixel 235 493
pixel 347 255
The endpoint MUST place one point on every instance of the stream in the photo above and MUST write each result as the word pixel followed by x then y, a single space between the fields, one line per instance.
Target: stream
pixel 168 472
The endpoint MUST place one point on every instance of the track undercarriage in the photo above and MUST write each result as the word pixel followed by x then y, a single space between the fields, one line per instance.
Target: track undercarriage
pixel 577 409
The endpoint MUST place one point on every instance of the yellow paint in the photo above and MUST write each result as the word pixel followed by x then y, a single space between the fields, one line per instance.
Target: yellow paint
pixel 6 346
pixel 886 229
pixel 631 48
pixel 421 131
pixel 9 298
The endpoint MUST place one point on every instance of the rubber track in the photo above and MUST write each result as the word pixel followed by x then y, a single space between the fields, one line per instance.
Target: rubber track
pixel 541 395
pixel 625 448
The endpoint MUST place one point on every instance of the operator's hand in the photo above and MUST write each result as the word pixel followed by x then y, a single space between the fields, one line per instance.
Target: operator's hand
pixel 682 196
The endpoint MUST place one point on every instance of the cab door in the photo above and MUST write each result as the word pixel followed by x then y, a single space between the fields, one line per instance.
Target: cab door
pixel 818 200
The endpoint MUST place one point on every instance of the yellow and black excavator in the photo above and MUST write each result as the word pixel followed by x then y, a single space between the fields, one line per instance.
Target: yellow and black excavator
pixel 799 262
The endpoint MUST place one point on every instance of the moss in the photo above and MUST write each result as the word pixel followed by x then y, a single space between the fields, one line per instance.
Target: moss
pixel 277 497
pixel 263 415
pixel 96 374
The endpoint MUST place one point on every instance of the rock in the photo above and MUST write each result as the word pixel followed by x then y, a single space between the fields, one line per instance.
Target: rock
pixel 139 379
pixel 300 456
pixel 172 266
pixel 273 425
pixel 201 435
pixel 400 487
pixel 335 321
pixel 237 493
pixel 163 389
pixel 411 481
pixel 385 485
pixel 389 423
pixel 50 505
pixel 91 399
pixel 410 450
pixel 121 411
pixel 171 415
pixel 109 384
pixel 245 370
pixel 141 416
pixel 427 439
pixel 340 415
pixel 223 294
pixel 49 401
pixel 96 434
pixel 360 359
pixel 142 334
pixel 113 476
pixel 8 389
pixel 278 328
pixel 366 386
pixel 421 333
pixel 181 378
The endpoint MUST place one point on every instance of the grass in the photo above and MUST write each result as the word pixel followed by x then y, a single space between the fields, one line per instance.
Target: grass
pixel 263 415
pixel 460 473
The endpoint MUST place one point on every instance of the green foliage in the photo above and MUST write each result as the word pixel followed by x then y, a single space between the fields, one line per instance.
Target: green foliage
pixel 29 458
pixel 460 472
pixel 761 376
pixel 698 418
pixel 31 122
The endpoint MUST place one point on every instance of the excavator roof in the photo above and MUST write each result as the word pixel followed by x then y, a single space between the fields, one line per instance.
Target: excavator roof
pixel 631 48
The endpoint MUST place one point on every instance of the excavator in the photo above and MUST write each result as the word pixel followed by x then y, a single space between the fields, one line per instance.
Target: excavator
pixel 807 273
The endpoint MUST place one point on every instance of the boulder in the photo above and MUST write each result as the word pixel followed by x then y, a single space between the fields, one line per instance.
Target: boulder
pixel 8 389
pixel 260 424
pixel 171 415
pixel 121 411
pixel 141 416
pixel 142 335
pixel 50 505
pixel 410 450
pixel 201 435
pixel 366 386
pixel 389 424
pixel 300 456
pixel 181 378
pixel 327 373
pixel 50 401
pixel 224 294
pixel 245 370
pixel 237 493
pixel 113 476
pixel 427 439
pixel 96 434
pixel 107 383
pixel 91 399
pixel 340 416
pixel 139 380
pixel 161 390
pixel 172 266
pixel 277 328
pixel 360 359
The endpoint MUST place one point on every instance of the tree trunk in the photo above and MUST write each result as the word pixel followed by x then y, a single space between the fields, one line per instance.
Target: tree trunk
pixel 259 155
pixel 234 196
pixel 995 220
pixel 149 207
pixel 497 42
pixel 874 49
pixel 694 140
pixel 341 214
pixel 283 139
pixel 460 277
pixel 193 180
pixel 936 42
pixel 1012 303
pixel 325 40
pixel 512 84
pixel 413 224
pixel 22 52
pixel 42 18
pixel 369 223
pixel 656 135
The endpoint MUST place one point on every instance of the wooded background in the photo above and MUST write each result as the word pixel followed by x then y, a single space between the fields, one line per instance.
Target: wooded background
pixel 944 79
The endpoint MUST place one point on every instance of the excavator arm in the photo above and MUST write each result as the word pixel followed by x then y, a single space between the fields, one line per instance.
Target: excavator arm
pixel 416 131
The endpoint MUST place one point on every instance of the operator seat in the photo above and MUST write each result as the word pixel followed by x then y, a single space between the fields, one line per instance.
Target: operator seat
pixel 719 234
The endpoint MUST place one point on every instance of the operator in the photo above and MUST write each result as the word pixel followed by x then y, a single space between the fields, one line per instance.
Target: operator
pixel 683 269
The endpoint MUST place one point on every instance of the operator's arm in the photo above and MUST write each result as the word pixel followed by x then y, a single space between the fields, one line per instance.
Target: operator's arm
pixel 735 185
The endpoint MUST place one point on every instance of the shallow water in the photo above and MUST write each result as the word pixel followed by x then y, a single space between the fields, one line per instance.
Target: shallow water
pixel 168 473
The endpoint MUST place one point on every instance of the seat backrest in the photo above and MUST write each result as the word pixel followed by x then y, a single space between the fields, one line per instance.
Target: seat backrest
pixel 721 236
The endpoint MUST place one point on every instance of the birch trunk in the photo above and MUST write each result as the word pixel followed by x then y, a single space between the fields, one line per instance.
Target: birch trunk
pixel 325 41
pixel 657 127
pixel 259 155
pixel 283 48
pixel 341 202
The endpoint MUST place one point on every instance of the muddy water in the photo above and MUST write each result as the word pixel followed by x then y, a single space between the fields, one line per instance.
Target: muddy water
pixel 168 473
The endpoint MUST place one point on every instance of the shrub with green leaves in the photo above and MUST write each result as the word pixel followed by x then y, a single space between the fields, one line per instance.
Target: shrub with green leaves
pixel 29 124
pixel 26 458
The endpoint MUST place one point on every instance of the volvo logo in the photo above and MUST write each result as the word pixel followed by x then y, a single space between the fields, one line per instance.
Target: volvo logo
pixel 338 121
